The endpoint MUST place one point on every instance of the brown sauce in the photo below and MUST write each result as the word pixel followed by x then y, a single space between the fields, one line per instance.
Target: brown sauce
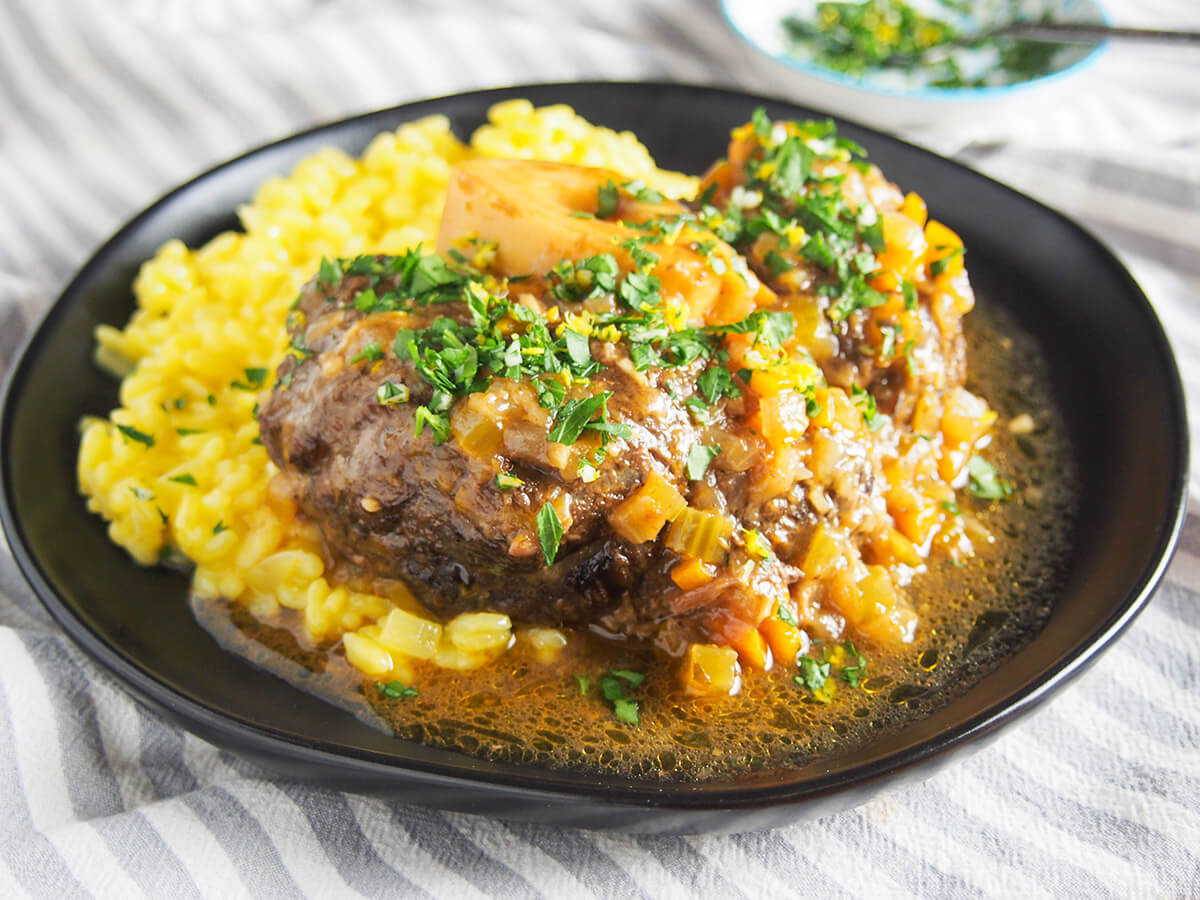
pixel 519 709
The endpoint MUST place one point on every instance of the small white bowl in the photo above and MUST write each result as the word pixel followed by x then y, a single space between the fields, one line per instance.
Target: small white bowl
pixel 892 100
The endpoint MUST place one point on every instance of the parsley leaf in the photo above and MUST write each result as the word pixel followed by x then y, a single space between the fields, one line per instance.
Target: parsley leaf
pixel 134 435
pixel 717 382
pixel 389 394
pixel 606 200
pixel 574 415
pixel 550 532
pixel 698 460
pixel 626 709
pixel 813 675
pixel 394 690
pixel 984 482
pixel 506 482
pixel 370 352
pixel 853 675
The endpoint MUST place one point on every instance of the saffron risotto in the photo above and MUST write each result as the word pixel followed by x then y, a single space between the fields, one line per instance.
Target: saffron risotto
pixel 178 470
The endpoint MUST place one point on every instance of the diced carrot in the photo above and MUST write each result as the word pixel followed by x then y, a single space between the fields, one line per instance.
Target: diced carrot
pixel 784 639
pixel 823 552
pixel 904 243
pixel 709 670
pixel 914 514
pixel 730 307
pixel 640 516
pixel 966 417
pixel 690 573
pixel 751 647
pixel 914 207
pixel 945 245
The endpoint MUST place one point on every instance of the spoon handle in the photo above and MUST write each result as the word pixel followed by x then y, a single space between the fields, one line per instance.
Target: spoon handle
pixel 1070 33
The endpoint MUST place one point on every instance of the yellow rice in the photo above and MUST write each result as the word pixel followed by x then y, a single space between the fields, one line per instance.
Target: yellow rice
pixel 206 316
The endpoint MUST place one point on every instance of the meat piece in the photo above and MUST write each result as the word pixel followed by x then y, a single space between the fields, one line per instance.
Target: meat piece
pixel 926 359
pixel 438 468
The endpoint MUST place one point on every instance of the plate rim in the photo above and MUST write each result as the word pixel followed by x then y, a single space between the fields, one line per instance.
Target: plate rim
pixel 531 781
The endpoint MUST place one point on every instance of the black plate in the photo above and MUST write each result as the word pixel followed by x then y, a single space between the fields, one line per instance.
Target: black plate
pixel 1112 370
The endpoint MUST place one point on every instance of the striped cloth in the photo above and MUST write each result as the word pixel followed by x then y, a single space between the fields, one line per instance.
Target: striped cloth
pixel 104 104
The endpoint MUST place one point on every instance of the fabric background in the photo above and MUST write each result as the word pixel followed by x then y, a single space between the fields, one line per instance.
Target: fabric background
pixel 105 104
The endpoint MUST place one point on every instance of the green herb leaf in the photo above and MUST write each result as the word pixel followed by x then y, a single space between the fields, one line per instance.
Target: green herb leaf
pixel 698 460
pixel 134 435
pixel 853 674
pixel 716 382
pixel 939 266
pixel 865 402
pixel 578 347
pixel 778 264
pixel 220 526
pixel 574 415
pixel 370 352
pixel 183 478
pixel 583 682
pixel 389 394
pixel 141 493
pixel 506 482
pixel 785 614
pixel 606 200
pixel 813 675
pixel 550 532
pixel 984 482
pixel 634 678
pixel 627 710
pixel 394 690
pixel 624 708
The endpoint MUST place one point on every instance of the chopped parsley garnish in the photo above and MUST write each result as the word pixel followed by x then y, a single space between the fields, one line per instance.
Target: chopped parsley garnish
pixel 853 674
pixel 185 432
pixel 872 36
pixel 141 493
pixel 865 402
pixel 606 200
pixel 984 482
pixel 698 460
pixel 951 507
pixel 394 690
pixel 254 380
pixel 583 681
pixel 506 482
pixel 371 352
pixel 634 678
pixel 391 394
pixel 777 264
pixel 134 435
pixel 939 266
pixel 550 532
pixel 220 526
pixel 756 544
pixel 717 382
pixel 787 615
pixel 590 277
pixel 183 478
pixel 813 676
pixel 626 709
pixel 329 274
pixel 576 415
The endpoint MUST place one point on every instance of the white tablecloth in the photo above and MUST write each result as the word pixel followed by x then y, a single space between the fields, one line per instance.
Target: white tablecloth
pixel 105 104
